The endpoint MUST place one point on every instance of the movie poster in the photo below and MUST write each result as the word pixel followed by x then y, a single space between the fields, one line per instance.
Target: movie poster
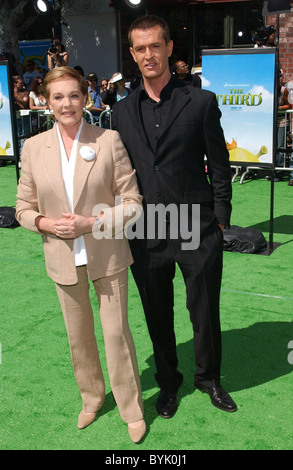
pixel 244 83
pixel 7 151
pixel 35 51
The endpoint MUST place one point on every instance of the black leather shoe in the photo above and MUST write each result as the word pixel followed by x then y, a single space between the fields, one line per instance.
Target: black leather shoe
pixel 166 404
pixel 219 397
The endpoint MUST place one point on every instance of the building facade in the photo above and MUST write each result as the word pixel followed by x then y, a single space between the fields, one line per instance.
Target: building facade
pixel 92 37
pixel 213 24
pixel 95 31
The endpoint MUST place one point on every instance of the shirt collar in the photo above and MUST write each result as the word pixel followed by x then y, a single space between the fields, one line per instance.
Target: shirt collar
pixel 96 90
pixel 165 93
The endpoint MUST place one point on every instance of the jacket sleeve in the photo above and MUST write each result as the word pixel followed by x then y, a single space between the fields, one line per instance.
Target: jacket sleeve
pixel 128 205
pixel 27 198
pixel 218 161
pixel 109 97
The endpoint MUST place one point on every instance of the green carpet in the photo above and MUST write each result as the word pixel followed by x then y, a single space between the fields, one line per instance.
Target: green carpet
pixel 40 401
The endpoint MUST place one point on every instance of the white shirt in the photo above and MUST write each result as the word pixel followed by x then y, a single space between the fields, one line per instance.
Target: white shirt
pixel 37 100
pixel 68 167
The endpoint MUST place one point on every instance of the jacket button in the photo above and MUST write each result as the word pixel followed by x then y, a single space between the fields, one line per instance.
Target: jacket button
pixel 157 167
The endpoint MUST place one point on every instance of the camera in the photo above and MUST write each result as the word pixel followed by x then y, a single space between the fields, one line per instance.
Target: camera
pixel 52 49
pixel 262 34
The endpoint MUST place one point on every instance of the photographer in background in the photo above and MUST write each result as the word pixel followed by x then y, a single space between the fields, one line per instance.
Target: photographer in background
pixel 265 37
pixel 57 56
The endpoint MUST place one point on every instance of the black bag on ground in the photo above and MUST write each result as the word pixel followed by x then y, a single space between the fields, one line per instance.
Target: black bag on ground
pixel 243 240
pixel 7 217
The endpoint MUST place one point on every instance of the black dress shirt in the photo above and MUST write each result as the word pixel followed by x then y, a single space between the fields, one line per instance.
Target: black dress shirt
pixel 153 113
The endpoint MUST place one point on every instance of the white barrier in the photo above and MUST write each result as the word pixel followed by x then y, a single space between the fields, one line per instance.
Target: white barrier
pixel 34 121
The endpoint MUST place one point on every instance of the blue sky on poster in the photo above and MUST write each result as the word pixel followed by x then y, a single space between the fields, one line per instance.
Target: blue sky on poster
pixel 250 126
pixel 5 122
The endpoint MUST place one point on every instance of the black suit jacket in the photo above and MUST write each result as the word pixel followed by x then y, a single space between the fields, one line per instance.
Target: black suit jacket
pixel 175 172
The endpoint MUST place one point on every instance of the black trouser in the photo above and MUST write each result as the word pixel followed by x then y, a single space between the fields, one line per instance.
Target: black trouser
pixel 154 271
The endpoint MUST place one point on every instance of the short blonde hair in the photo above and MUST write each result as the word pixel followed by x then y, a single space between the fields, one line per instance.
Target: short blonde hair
pixel 59 72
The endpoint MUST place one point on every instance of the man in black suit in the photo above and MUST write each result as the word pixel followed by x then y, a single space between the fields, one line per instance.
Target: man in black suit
pixel 168 128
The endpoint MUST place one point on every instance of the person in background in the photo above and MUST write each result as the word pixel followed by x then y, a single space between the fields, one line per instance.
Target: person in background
pixel 89 102
pixel 116 91
pixel 29 74
pixel 21 101
pixel 21 94
pixel 57 55
pixel 290 136
pixel 94 91
pixel 103 85
pixel 271 39
pixel 265 37
pixel 37 101
pixel 197 68
pixel 283 105
pixel 181 69
pixel 68 174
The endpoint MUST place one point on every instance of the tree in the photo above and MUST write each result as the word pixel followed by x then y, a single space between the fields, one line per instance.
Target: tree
pixel 11 13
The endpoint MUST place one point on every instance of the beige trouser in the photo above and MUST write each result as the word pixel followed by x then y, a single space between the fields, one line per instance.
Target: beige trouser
pixel 112 294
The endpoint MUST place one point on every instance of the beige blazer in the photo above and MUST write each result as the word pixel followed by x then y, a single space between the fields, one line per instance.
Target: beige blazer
pixel 41 191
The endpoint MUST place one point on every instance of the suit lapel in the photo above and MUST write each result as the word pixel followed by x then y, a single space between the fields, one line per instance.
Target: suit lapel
pixel 132 104
pixel 52 166
pixel 82 166
pixel 179 99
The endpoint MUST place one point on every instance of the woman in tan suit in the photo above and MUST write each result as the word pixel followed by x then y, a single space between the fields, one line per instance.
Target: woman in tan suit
pixel 76 189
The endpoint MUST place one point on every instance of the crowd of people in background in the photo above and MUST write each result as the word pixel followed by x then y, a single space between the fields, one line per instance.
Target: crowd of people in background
pixel 103 94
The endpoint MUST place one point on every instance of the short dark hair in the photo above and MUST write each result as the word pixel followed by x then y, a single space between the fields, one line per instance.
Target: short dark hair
pixel 35 84
pixel 147 22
